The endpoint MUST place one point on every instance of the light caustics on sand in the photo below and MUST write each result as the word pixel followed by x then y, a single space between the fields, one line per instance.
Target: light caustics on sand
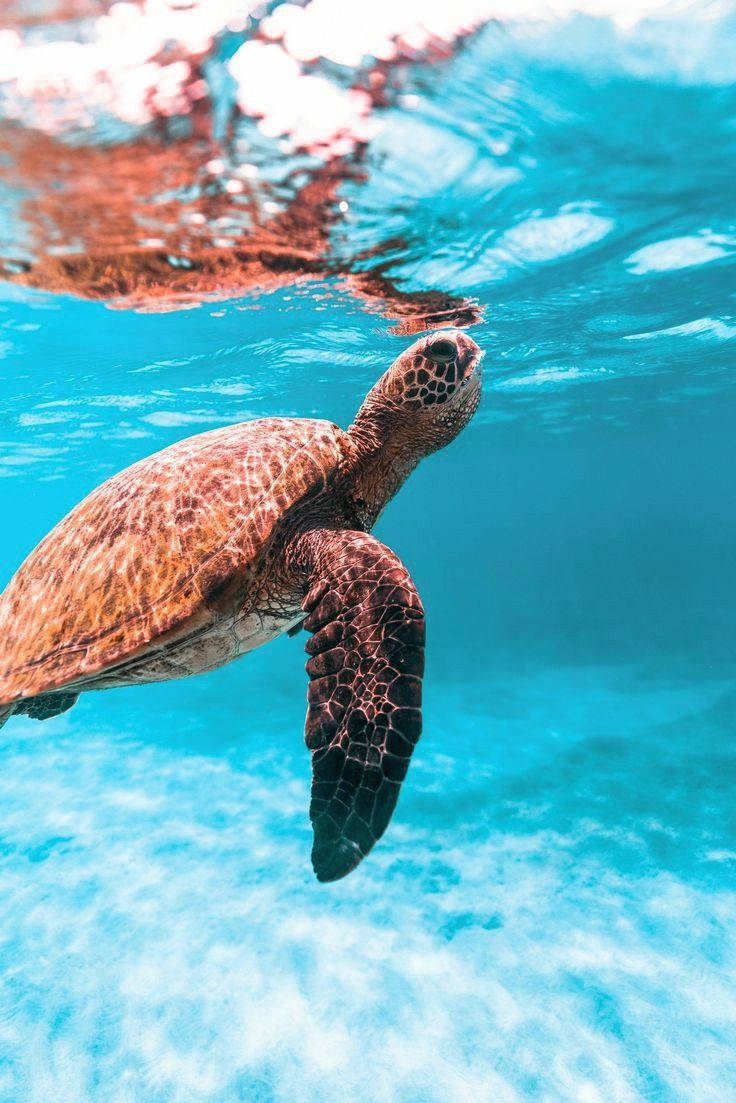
pixel 513 956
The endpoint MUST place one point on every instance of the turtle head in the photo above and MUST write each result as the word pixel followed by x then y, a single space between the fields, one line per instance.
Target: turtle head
pixel 422 402
pixel 433 388
pixel 428 394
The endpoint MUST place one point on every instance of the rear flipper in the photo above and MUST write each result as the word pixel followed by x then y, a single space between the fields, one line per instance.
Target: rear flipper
pixel 43 706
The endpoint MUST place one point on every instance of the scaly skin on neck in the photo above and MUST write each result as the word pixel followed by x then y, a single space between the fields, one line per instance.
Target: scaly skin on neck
pixel 418 406
pixel 386 448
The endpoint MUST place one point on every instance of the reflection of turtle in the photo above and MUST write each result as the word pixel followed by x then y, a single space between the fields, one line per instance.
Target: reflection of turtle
pixel 221 542
pixel 92 199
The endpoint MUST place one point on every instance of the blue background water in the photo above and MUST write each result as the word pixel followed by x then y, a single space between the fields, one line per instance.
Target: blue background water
pixel 550 915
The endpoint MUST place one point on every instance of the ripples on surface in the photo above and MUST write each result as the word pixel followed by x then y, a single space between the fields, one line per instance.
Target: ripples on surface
pixel 549 916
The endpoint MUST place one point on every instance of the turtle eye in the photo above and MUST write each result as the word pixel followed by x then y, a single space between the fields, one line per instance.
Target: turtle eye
pixel 441 351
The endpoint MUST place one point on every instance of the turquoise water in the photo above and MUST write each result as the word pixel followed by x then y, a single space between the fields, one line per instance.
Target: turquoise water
pixel 550 915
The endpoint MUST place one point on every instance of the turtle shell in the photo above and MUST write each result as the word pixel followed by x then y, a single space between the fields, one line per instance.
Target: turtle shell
pixel 155 548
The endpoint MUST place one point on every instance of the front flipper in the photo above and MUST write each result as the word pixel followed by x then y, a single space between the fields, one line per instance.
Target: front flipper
pixel 365 691
pixel 41 707
pixel 47 704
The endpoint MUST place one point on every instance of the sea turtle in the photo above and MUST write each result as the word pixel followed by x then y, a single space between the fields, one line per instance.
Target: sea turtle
pixel 221 542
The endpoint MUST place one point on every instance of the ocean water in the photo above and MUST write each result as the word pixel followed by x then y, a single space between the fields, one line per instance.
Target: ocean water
pixel 550 915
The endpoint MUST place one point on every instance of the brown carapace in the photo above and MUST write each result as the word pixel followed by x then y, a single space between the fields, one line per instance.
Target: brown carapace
pixel 204 551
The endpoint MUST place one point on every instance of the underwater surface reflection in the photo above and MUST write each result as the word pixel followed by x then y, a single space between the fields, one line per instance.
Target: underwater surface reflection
pixel 549 916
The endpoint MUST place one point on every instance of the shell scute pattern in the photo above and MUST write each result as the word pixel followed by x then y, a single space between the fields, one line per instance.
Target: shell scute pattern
pixel 167 545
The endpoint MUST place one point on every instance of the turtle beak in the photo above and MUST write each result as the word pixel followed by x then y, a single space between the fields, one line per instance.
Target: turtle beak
pixel 469 355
